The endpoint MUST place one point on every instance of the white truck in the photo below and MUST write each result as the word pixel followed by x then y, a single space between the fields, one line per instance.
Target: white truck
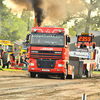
pixel 97 58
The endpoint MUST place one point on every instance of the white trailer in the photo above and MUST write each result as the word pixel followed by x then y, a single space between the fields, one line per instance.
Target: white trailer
pixel 97 58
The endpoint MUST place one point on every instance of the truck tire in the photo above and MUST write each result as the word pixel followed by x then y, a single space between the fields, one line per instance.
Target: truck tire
pixel 43 75
pixel 63 76
pixel 40 76
pixel 73 76
pixel 33 75
pixel 0 62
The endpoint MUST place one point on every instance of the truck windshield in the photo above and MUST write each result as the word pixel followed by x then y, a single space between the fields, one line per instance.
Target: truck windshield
pixel 24 46
pixel 10 48
pixel 47 40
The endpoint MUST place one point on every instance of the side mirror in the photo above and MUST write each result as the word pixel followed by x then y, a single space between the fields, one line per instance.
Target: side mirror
pixel 93 46
pixel 68 39
pixel 19 47
pixel 27 38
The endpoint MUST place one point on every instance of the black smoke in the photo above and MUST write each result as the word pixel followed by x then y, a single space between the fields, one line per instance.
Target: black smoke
pixel 32 5
pixel 56 10
pixel 38 11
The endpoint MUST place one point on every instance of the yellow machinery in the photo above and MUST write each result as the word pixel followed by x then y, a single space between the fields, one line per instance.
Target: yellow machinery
pixel 23 47
pixel 7 46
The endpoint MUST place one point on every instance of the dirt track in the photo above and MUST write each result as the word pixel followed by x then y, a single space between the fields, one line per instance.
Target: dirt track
pixel 19 86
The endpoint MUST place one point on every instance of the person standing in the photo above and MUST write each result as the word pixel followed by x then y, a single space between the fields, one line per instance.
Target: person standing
pixel 1 51
pixel 24 60
pixel 5 59
pixel 17 59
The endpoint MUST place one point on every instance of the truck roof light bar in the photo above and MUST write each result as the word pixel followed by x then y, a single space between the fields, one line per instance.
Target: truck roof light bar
pixel 35 30
pixel 59 30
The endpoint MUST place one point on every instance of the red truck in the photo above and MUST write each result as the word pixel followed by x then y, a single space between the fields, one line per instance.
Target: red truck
pixel 48 51
pixel 49 54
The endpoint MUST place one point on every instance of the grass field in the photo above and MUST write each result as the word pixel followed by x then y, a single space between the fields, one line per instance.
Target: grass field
pixel 5 69
pixel 96 72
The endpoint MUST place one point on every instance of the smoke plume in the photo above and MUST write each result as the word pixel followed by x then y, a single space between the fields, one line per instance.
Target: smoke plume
pixel 54 9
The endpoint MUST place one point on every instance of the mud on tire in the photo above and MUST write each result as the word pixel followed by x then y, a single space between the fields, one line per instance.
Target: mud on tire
pixel 32 75
pixel 63 76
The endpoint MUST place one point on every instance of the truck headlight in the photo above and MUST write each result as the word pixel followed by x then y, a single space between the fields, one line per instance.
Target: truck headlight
pixel 60 65
pixel 31 64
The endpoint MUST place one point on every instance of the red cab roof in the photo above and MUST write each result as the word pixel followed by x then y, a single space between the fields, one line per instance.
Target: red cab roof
pixel 48 29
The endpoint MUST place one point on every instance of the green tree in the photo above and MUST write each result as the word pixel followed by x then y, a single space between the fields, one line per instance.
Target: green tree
pixel 84 20
pixel 27 16
pixel 11 26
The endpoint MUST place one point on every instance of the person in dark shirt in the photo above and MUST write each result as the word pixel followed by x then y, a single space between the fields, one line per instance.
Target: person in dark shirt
pixel 13 55
pixel 1 51
pixel 83 45
pixel 21 60
pixel 24 60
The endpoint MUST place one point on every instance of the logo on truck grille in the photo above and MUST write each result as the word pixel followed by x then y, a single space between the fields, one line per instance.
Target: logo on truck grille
pixel 46 49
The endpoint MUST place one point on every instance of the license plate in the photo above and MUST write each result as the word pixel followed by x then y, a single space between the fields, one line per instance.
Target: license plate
pixel 46 70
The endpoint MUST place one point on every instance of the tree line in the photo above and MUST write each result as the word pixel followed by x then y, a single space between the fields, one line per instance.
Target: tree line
pixel 11 26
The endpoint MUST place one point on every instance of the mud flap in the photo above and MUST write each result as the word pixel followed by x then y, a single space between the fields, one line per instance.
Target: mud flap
pixel 73 76
pixel 78 67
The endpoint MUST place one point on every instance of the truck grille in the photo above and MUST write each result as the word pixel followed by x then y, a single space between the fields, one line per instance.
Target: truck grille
pixel 46 63
pixel 46 54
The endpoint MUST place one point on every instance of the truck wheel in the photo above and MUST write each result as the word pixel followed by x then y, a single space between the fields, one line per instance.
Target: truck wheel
pixel 0 62
pixel 40 75
pixel 32 74
pixel 63 76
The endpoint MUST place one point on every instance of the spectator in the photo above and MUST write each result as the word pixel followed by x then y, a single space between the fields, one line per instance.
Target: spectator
pixel 83 45
pixel 21 60
pixel 17 59
pixel 1 50
pixel 26 57
pixel 13 55
pixel 61 42
pixel 5 59
pixel 24 60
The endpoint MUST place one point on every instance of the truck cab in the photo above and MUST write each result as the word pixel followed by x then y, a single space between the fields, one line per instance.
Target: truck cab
pixel 7 46
pixel 23 47
pixel 48 51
